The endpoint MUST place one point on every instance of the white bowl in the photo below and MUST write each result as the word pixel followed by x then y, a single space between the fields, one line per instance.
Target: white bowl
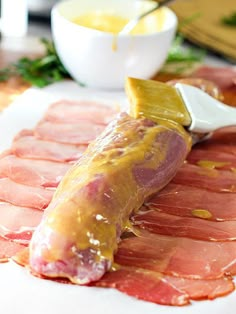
pixel 88 54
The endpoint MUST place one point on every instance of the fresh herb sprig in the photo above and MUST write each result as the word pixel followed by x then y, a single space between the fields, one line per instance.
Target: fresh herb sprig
pixel 229 20
pixel 178 53
pixel 39 72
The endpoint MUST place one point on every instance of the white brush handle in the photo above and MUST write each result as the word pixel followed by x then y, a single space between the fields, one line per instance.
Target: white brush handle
pixel 207 113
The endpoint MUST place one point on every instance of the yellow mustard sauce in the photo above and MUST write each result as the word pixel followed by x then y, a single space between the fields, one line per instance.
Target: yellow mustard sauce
pixel 99 230
pixel 113 23
pixel 201 213
pixel 212 164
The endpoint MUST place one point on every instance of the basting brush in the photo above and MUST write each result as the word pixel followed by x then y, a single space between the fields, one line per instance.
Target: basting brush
pixel 184 104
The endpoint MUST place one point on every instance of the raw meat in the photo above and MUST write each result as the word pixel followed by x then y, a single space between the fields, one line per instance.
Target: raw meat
pixel 163 289
pixel 18 222
pixel 67 111
pixel 132 159
pixel 189 201
pixel 8 249
pixel 205 178
pixel 224 77
pixel 213 160
pixel 177 256
pixel 23 195
pixel 81 133
pixel 178 226
pixel 33 172
pixel 33 148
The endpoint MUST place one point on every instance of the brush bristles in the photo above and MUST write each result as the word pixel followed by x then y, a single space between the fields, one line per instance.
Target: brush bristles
pixel 155 100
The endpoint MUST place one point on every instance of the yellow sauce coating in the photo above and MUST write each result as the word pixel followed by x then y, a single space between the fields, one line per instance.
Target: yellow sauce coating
pixel 212 164
pixel 201 213
pixel 112 23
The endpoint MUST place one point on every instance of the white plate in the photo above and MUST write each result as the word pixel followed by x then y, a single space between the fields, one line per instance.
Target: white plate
pixel 20 292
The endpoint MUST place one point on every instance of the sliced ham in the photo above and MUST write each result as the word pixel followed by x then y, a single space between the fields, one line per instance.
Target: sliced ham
pixel 177 256
pixel 145 285
pixel 205 178
pixel 222 141
pixel 153 286
pixel 211 159
pixel 81 133
pixel 198 289
pixel 33 148
pixel 33 172
pixel 18 223
pixel 168 290
pixel 207 86
pixel 189 201
pixel 195 228
pixel 224 77
pixel 23 133
pixel 9 249
pixel 22 195
pixel 67 111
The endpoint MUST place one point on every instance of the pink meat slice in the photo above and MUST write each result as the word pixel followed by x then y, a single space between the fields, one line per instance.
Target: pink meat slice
pixel 33 148
pixel 23 133
pixel 224 77
pixel 163 289
pixel 182 200
pixel 67 111
pixel 81 133
pixel 9 249
pixel 22 195
pixel 177 256
pixel 198 289
pixel 211 159
pixel 33 172
pixel 145 285
pixel 18 223
pixel 222 141
pixel 210 179
pixel 178 226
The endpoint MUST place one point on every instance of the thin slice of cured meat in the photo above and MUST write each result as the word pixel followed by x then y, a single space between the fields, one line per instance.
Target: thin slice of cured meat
pixel 23 195
pixel 155 287
pixel 68 111
pixel 224 77
pixel 18 223
pixel 146 285
pixel 211 159
pixel 81 133
pixel 189 201
pixel 222 140
pixel 207 86
pixel 195 228
pixel 205 178
pixel 33 148
pixel 178 256
pixel 9 249
pixel 23 133
pixel 33 172
pixel 198 289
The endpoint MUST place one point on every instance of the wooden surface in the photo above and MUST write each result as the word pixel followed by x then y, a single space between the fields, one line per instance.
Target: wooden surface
pixel 206 27
pixel 11 49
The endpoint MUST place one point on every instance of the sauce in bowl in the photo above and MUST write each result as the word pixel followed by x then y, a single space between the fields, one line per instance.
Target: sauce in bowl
pixel 112 23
